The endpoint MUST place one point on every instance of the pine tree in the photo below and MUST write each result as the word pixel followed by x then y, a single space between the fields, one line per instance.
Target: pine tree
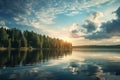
pixel 3 37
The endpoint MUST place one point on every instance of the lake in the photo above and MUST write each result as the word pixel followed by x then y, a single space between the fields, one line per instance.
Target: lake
pixel 78 64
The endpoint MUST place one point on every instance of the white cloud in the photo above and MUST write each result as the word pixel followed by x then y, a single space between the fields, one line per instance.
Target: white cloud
pixel 96 19
pixel 16 19
pixel 90 25
pixel 76 31
pixel 47 13
pixel 46 16
pixel 2 24
pixel 70 8
pixel 109 14
pixel 74 27
pixel 35 24
pixel 72 13
pixel 20 19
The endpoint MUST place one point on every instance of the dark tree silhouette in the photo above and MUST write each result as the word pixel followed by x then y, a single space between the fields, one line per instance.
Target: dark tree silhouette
pixel 14 38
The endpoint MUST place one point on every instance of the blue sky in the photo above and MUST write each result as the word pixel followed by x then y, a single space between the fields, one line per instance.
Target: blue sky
pixel 82 22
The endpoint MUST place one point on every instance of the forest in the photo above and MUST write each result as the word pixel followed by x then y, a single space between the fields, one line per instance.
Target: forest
pixel 15 38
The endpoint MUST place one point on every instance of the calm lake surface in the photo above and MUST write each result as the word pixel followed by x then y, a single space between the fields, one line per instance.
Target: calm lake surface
pixel 78 64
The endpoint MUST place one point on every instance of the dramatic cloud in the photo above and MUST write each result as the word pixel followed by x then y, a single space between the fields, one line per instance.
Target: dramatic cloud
pixel 94 29
pixel 95 18
pixel 44 11
pixel 118 13
pixel 76 31
pixel 108 29
pixel 91 25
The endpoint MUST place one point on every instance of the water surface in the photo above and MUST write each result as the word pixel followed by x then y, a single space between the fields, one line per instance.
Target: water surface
pixel 78 64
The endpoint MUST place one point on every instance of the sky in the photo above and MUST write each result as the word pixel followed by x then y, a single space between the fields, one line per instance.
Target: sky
pixel 81 22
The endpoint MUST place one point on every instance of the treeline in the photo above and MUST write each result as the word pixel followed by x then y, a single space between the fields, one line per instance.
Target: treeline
pixel 14 38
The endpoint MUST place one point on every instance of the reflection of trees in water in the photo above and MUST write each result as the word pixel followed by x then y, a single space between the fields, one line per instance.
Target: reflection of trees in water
pixel 12 57
pixel 19 58
pixel 4 56
pixel 54 54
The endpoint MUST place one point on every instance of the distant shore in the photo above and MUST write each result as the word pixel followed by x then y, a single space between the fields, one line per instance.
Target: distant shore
pixel 97 46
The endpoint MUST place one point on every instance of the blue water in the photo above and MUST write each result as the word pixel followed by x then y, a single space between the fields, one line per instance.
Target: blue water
pixel 78 64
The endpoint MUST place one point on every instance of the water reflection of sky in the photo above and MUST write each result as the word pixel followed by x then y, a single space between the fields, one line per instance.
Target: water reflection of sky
pixel 81 65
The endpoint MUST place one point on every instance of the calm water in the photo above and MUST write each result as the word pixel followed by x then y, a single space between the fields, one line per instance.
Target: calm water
pixel 78 64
